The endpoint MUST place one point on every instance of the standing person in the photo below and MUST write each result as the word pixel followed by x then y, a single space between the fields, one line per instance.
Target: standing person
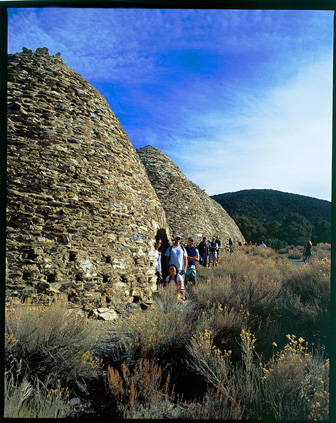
pixel 230 245
pixel 263 245
pixel 203 250
pixel 308 251
pixel 174 279
pixel 193 256
pixel 213 251
pixel 219 244
pixel 177 255
pixel 158 267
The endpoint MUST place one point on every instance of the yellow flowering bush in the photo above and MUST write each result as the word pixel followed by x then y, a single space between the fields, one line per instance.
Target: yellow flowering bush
pixel 295 383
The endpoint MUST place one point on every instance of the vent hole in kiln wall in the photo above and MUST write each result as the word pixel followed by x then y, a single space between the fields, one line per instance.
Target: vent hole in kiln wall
pixel 51 278
pixel 72 256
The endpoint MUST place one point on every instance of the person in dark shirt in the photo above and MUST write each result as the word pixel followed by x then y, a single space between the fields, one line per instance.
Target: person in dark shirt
pixel 308 251
pixel 203 251
pixel 213 247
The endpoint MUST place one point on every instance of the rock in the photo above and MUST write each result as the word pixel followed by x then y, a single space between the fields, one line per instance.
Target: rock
pixel 75 402
pixel 104 313
pixel 42 50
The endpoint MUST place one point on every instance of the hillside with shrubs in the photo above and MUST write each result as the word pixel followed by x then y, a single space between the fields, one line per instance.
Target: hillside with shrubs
pixel 278 218
pixel 250 342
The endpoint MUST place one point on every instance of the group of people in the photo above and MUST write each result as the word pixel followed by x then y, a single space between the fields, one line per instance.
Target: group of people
pixel 181 262
pixel 210 251
pixel 250 244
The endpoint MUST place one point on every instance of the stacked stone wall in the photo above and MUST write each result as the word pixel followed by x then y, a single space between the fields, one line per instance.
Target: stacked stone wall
pixel 189 210
pixel 82 214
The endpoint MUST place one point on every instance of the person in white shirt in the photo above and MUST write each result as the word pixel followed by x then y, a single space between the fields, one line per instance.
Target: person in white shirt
pixel 177 255
pixel 176 281
pixel 213 247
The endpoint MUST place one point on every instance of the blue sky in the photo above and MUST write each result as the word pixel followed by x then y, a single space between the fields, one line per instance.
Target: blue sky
pixel 238 99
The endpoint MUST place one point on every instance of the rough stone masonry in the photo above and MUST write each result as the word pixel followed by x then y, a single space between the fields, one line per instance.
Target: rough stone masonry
pixel 83 209
pixel 82 214
pixel 189 210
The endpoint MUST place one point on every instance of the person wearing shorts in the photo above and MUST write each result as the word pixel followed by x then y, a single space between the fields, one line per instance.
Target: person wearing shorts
pixel 213 247
pixel 193 256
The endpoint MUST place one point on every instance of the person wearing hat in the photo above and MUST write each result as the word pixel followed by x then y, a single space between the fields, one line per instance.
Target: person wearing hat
pixel 177 255
pixel 213 247
pixel 193 256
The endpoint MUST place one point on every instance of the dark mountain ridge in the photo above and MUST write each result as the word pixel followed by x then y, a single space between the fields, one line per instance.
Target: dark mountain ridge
pixel 267 205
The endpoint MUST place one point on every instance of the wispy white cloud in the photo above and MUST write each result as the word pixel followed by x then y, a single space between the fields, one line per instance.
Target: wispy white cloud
pixel 281 140
pixel 246 93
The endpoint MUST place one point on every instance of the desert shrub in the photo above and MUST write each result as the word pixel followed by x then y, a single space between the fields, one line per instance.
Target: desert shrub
pixel 217 371
pixel 295 253
pixel 278 295
pixel 242 279
pixel 225 325
pixel 162 331
pixel 141 392
pixel 25 399
pixel 49 343
pixel 144 393
pixel 213 290
pixel 292 385
pixel 256 250
pixel 296 383
pixel 235 385
pixel 303 302
pixel 283 250
pixel 321 251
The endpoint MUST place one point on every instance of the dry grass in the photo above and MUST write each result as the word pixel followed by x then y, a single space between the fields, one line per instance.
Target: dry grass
pixel 47 352
pixel 229 336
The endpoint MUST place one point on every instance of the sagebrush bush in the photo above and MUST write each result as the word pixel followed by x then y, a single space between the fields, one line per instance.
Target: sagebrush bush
pixel 25 399
pixel 161 331
pixel 295 253
pixel 296 383
pixel 48 343
pixel 211 357
pixel 303 303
